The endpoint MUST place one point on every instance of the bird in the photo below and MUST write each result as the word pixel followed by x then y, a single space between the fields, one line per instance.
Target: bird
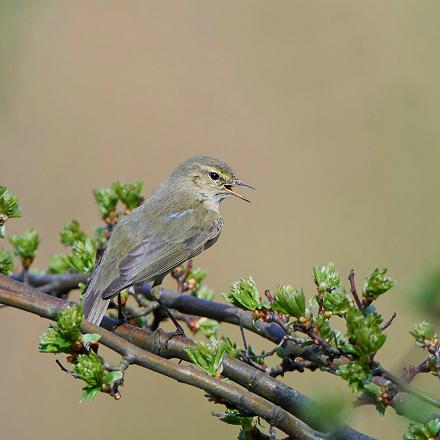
pixel 177 222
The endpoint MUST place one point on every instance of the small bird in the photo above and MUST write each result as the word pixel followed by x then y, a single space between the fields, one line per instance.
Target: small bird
pixel 177 222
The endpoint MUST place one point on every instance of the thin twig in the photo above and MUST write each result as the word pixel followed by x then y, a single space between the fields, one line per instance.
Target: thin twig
pixel 389 322
pixel 354 291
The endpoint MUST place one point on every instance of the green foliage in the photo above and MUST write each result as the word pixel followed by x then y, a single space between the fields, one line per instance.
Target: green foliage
pixel 377 283
pixel 289 301
pixel 209 327
pixel 336 302
pixel 424 334
pixel 26 245
pixel 204 293
pixel 364 333
pixel 334 337
pixel 356 374
pixel 326 278
pixel 195 278
pixel 376 392
pixel 90 369
pixel 9 208
pixel 57 264
pixel 244 294
pixel 6 262
pixel 65 334
pixel 106 199
pixel 82 257
pixel 423 431
pixel 232 417
pixel 71 233
pixel 237 352
pixel 128 193
pixel 208 356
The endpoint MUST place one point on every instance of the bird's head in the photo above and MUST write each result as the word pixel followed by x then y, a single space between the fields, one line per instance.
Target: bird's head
pixel 208 178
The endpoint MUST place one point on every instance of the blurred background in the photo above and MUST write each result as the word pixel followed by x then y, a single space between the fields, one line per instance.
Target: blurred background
pixel 329 108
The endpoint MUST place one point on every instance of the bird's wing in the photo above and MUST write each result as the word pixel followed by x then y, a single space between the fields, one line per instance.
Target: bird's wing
pixel 159 253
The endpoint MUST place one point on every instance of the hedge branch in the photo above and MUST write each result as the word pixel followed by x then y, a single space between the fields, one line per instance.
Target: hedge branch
pixel 30 300
pixel 20 296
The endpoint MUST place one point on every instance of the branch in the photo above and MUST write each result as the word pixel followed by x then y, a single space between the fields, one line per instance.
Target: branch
pixel 24 298
pixel 227 313
pixel 159 343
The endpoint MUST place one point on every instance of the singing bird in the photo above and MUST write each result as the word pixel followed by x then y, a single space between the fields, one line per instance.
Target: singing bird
pixel 177 222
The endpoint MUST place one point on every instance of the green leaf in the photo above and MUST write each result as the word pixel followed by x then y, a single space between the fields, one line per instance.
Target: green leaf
pixel 197 274
pixel 377 283
pixel 89 393
pixel 6 262
pixel 26 245
pixel 208 356
pixel 336 302
pixel 61 337
pixel 232 417
pixel 423 431
pixel 244 294
pixel 57 264
pixel 71 233
pixel 90 369
pixel 52 341
pixel 424 333
pixel 375 392
pixel 106 199
pixel 82 257
pixel 9 208
pixel 326 278
pixel 289 301
pixel 128 193
pixel 364 332
pixel 205 293
pixel 112 377
pixel 326 332
pixel 90 338
pixel 208 327
pixel 356 374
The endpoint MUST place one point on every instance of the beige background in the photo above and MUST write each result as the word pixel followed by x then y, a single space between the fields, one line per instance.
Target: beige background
pixel 329 108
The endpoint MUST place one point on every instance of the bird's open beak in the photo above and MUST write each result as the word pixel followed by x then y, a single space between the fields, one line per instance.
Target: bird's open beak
pixel 229 187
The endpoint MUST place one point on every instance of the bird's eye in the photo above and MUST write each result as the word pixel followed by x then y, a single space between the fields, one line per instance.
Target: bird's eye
pixel 213 175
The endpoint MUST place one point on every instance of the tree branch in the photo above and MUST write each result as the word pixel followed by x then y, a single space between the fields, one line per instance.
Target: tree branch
pixel 24 298
pixel 227 313
pixel 159 343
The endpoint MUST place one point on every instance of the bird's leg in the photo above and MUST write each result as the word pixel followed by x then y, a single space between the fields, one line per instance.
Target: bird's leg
pixel 155 293
pixel 121 315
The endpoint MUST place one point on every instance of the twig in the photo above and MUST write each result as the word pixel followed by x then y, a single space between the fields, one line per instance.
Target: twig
pixel 411 371
pixel 404 386
pixel 389 322
pixel 354 291
pixel 65 370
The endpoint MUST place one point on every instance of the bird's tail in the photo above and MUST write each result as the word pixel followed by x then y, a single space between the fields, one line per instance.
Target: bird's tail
pixel 93 305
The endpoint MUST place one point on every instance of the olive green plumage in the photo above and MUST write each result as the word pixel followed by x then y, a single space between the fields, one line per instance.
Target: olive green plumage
pixel 178 221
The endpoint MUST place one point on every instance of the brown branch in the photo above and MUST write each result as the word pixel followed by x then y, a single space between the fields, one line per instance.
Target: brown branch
pixel 385 325
pixel 227 313
pixel 43 305
pixel 159 343
pixel 354 291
